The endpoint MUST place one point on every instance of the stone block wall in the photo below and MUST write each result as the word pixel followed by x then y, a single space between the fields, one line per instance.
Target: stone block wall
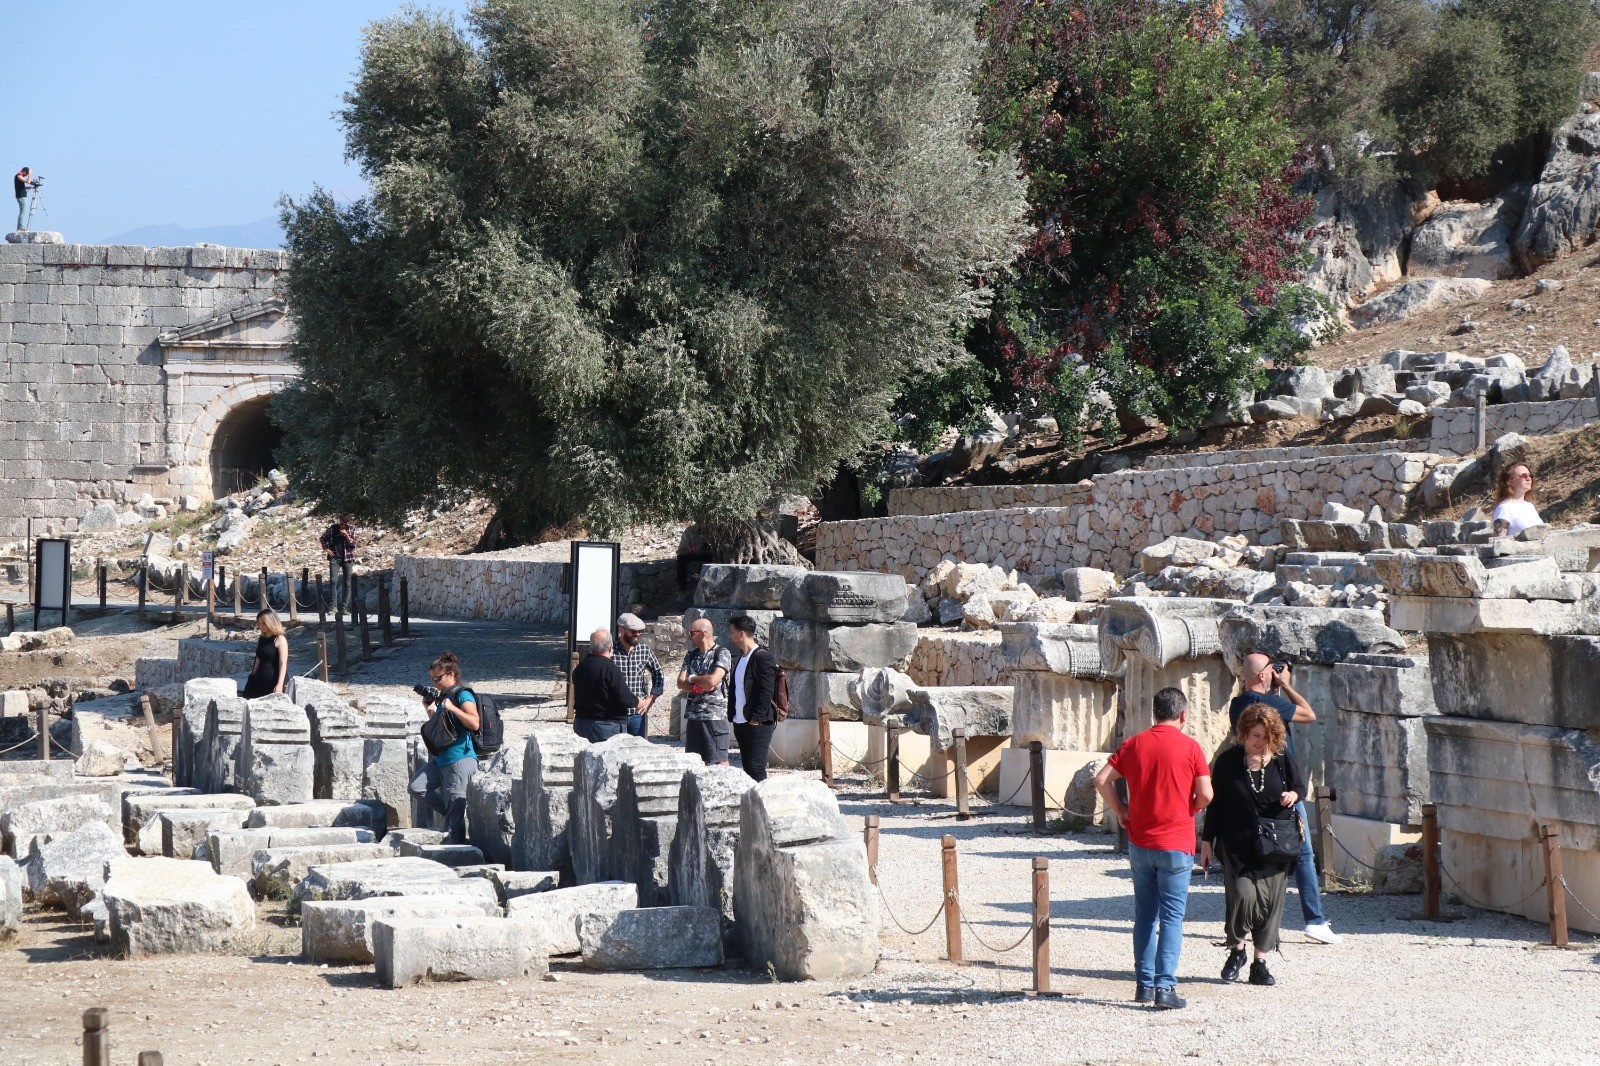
pixel 1455 428
pixel 196 658
pixel 84 393
pixel 1194 460
pixel 501 586
pixel 944 499
pixel 1130 510
pixel 946 658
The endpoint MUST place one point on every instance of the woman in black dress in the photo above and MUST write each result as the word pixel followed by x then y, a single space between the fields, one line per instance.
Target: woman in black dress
pixel 1255 779
pixel 270 672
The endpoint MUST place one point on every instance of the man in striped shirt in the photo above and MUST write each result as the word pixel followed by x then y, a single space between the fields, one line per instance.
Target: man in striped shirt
pixel 640 669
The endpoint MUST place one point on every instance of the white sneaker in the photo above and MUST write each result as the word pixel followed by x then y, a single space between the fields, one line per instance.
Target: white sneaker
pixel 1323 933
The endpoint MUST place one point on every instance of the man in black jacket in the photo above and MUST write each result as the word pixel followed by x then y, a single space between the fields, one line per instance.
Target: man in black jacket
pixel 602 700
pixel 755 680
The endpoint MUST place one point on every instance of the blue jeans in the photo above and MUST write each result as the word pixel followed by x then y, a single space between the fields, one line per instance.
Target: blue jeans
pixel 596 730
pixel 638 725
pixel 1305 874
pixel 1160 896
pixel 22 211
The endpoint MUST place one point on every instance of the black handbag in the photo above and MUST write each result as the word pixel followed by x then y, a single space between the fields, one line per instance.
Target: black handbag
pixel 1279 840
pixel 439 731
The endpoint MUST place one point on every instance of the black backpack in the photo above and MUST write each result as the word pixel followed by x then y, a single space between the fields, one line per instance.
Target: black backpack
pixel 491 731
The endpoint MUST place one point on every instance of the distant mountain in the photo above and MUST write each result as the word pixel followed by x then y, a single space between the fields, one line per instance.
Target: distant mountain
pixel 262 233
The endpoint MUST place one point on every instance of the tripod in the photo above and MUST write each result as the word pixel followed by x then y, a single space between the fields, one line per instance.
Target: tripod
pixel 35 201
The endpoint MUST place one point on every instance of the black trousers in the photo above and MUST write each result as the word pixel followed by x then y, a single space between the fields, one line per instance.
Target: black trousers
pixel 754 742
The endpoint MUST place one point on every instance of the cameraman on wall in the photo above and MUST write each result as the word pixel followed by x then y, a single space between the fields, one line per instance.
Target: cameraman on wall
pixel 24 182
pixel 442 782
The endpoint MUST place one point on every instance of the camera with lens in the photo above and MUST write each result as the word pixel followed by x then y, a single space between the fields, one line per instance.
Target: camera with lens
pixel 429 693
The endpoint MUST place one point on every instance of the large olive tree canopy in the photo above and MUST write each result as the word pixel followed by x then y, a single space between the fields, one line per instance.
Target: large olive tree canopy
pixel 635 260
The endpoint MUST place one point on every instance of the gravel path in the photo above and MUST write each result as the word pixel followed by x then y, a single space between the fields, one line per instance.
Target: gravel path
pixel 1395 991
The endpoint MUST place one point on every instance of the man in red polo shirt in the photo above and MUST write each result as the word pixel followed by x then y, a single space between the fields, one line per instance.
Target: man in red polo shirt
pixel 1168 784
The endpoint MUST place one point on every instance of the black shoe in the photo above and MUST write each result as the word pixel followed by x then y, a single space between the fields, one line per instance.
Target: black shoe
pixel 1235 963
pixel 1143 994
pixel 1167 999
pixel 1260 975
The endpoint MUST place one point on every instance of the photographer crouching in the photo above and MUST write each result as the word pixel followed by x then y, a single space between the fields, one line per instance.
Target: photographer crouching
pixel 452 719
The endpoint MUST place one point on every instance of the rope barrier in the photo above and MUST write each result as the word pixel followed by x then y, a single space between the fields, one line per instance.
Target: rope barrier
pixel 31 740
pixel 1361 862
pixel 60 746
pixel 1574 897
pixel 890 912
pixel 1480 904
pixel 1027 933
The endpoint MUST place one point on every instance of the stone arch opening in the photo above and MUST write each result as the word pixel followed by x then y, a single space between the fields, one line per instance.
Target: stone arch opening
pixel 243 447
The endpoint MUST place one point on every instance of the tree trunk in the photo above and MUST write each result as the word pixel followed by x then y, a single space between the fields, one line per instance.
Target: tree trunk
pixel 751 540
pixel 498 534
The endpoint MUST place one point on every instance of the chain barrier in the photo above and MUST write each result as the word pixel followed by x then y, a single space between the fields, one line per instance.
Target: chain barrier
pixel 890 912
pixel 1474 901
pixel 839 753
pixel 1574 897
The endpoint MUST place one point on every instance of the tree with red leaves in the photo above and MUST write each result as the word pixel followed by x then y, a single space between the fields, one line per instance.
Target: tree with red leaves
pixel 1166 241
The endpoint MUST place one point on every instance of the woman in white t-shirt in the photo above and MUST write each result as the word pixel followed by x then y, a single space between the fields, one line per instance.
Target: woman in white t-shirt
pixel 1514 510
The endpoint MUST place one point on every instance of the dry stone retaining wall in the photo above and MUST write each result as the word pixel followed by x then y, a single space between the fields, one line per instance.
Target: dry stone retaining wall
pixel 1131 510
pixel 1455 428
pixel 500 586
pixel 945 499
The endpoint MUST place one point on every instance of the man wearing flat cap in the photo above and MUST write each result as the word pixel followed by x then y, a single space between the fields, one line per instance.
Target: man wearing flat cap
pixel 640 669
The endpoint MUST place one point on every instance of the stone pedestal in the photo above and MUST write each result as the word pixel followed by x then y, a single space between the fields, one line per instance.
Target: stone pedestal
pixel 188 760
pixel 276 760
pixel 541 802
pixel 701 864
pixel 217 760
pixel 491 820
pixel 337 743
pixel 597 771
pixel 385 754
pixel 1064 697
pixel 1159 643
pixel 646 822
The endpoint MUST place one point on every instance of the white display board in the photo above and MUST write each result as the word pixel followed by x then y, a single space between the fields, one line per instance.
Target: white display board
pixel 596 580
pixel 53 583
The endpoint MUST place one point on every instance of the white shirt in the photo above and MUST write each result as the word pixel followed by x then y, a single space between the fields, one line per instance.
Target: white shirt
pixel 738 690
pixel 1517 515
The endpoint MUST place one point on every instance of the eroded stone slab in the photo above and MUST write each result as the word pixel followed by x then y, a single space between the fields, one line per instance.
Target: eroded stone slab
pixel 339 932
pixel 557 913
pixel 654 938
pixel 171 906
pixel 412 950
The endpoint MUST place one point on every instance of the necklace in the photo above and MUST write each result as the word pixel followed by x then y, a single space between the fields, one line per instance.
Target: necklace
pixel 1250 776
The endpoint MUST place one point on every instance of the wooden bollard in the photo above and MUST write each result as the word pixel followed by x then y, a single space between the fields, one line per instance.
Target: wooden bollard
pixel 265 601
pixel 1480 424
pixel 294 605
pixel 150 726
pixel 1325 845
pixel 151 1058
pixel 1041 925
pixel 238 600
pixel 1555 891
pixel 338 639
pixel 952 901
pixel 385 625
pixel 144 582
pixel 1430 862
pixel 100 579
pixel 869 837
pixel 211 601
pixel 11 618
pixel 1036 783
pixel 322 605
pixel 172 742
pixel 44 732
pixel 366 632
pixel 963 801
pixel 96 1037
pixel 179 588
pixel 322 655
pixel 825 745
pixel 405 607
pixel 891 765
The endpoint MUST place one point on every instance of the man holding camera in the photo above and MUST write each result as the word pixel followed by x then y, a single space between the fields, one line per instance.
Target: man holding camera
pixel 24 182
pixel 1268 682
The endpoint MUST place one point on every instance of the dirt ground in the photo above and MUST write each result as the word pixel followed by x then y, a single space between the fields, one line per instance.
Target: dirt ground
pixel 1396 990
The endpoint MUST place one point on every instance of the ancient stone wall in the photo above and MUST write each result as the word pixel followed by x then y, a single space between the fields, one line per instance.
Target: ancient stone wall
pixel 944 499
pixel 943 657
pixel 85 391
pixel 500 586
pixel 1455 428
pixel 1131 510
pixel 196 658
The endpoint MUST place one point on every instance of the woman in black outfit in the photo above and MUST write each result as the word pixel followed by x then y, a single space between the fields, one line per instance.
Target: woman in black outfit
pixel 1255 779
pixel 270 671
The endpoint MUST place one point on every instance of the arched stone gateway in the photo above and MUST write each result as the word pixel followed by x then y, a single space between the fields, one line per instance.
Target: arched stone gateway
pixel 221 375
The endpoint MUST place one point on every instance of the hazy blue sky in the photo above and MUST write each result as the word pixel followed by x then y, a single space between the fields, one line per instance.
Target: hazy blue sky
pixel 199 113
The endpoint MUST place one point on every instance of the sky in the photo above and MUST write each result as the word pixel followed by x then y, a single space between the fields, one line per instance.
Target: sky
pixel 190 113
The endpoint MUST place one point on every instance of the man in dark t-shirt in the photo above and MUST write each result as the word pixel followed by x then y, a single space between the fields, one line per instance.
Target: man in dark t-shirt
pixel 23 181
pixel 1265 682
